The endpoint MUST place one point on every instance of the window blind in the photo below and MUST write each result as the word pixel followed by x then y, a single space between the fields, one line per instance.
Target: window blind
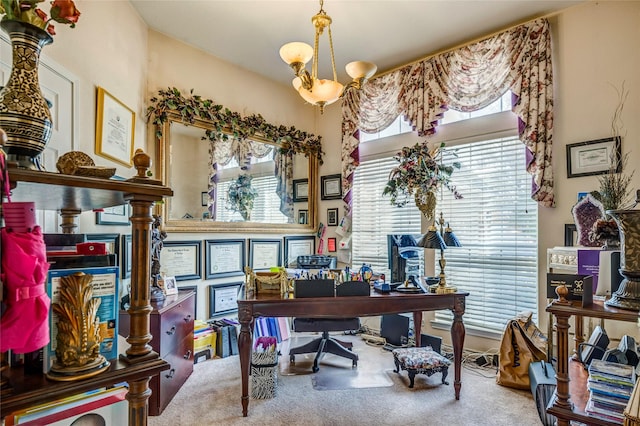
pixel 374 217
pixel 496 223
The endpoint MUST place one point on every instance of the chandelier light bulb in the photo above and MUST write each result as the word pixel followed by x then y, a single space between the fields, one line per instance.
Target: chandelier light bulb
pixel 296 51
pixel 327 90
pixel 361 69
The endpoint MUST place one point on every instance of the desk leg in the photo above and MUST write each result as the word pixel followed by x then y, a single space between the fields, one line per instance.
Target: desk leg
pixel 245 317
pixel 417 327
pixel 457 339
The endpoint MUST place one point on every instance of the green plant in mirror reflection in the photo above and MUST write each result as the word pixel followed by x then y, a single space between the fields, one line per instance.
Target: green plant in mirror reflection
pixel 241 196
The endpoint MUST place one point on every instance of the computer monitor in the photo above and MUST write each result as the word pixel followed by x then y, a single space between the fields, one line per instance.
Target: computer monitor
pixel 405 257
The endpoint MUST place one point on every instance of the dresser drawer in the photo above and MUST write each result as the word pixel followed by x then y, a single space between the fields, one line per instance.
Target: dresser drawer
pixel 172 326
pixel 169 322
pixel 167 383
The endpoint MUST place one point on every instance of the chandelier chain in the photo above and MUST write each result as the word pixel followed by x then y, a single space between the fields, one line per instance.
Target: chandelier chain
pixel 333 60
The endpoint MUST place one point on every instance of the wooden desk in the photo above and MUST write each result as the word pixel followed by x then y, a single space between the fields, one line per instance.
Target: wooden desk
pixel 353 306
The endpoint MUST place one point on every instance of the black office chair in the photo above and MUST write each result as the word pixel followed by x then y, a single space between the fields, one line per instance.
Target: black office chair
pixel 326 343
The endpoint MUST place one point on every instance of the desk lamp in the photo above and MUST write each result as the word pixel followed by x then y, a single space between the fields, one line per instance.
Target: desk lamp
pixel 440 240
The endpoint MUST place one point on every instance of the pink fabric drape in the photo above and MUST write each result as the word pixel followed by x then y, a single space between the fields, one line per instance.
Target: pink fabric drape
pixel 465 79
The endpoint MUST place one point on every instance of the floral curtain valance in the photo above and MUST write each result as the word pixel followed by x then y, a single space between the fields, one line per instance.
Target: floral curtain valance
pixel 240 149
pixel 465 79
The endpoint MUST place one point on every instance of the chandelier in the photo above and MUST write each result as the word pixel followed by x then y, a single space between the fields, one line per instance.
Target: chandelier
pixel 321 92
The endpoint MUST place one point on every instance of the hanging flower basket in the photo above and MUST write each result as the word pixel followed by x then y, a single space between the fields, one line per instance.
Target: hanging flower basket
pixel 418 176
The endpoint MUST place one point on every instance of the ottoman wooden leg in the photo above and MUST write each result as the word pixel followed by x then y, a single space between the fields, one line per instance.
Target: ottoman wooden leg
pixel 445 372
pixel 412 375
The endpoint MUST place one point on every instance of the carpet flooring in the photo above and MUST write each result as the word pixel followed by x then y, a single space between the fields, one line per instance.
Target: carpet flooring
pixel 211 395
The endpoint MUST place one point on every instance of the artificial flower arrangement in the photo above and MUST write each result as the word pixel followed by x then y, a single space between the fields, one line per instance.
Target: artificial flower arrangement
pixel 420 174
pixel 242 195
pixel 614 192
pixel 62 11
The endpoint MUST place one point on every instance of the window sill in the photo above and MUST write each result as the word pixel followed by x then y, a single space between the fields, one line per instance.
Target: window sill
pixel 470 330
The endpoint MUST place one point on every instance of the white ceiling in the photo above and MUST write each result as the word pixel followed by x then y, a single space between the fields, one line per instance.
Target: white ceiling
pixel 249 33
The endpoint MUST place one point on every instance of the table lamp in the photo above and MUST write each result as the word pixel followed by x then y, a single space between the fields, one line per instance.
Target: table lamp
pixel 442 239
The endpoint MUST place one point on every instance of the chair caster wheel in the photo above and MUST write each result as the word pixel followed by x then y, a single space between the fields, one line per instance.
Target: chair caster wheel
pixel 315 369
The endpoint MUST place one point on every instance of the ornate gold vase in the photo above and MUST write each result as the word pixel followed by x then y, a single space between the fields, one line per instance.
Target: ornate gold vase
pixel 628 294
pixel 426 203
pixel 24 113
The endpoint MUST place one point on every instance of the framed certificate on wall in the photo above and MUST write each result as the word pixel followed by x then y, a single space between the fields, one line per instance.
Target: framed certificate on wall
pixel 180 259
pixel 265 254
pixel 224 258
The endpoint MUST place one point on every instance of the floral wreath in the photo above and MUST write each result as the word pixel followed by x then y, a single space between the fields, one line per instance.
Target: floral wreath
pixel 226 122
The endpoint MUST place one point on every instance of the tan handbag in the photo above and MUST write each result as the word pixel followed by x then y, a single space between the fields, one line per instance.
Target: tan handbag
pixel 522 343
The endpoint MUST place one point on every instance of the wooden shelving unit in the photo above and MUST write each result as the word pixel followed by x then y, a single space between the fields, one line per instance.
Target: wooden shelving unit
pixel 71 195
pixel 570 398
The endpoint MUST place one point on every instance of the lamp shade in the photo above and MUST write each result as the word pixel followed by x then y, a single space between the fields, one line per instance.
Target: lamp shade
pixel 296 51
pixel 360 69
pixel 450 238
pixel 322 91
pixel 433 240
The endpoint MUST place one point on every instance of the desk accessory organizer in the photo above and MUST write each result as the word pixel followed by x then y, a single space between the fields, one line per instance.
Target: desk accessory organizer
pixel 314 288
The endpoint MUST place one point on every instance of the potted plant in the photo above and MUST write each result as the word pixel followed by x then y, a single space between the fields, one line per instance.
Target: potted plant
pixel 242 195
pixel 614 190
pixel 420 174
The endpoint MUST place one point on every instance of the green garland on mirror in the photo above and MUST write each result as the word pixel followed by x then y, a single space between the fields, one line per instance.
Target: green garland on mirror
pixel 227 123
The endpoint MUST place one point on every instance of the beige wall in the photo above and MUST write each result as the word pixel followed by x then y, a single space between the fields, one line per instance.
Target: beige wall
pixel 595 47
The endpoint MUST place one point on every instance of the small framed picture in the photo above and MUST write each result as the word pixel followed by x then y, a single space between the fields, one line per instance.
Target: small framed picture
pixel 170 286
pixel 223 298
pixel 331 244
pixel 570 235
pixel 115 128
pixel 126 256
pixel 303 217
pixel 204 199
pixel 118 215
pixel 295 246
pixel 332 217
pixel 300 190
pixel 331 187
pixel 595 157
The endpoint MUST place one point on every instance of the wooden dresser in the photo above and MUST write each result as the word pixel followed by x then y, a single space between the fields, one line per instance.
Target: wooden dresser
pixel 171 325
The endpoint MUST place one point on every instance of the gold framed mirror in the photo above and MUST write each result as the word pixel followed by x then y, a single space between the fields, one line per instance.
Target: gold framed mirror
pixel 206 174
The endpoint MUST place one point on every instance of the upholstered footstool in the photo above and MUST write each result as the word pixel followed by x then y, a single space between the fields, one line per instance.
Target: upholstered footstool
pixel 421 361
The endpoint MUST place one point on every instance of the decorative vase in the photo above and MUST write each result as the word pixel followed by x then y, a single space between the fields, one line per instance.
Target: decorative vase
pixel 426 203
pixel 245 212
pixel 24 113
pixel 628 294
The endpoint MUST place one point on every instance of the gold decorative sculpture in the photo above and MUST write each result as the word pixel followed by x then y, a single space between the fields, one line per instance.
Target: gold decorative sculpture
pixel 78 338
